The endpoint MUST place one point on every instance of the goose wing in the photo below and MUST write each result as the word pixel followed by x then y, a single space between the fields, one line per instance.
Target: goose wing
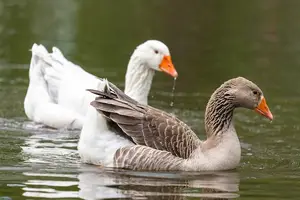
pixel 145 125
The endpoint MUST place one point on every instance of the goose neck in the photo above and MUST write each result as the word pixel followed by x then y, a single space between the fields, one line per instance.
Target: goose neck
pixel 219 113
pixel 138 80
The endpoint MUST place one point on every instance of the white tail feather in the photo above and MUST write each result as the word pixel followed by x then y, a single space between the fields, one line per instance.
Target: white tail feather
pixel 56 94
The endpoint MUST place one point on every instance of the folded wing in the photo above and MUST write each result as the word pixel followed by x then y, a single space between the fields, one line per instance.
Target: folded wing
pixel 146 125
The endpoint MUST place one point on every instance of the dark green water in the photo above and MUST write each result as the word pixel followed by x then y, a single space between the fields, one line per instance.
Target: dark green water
pixel 210 42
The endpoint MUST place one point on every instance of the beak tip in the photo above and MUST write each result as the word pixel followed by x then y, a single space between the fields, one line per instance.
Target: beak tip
pixel 175 75
pixel 270 116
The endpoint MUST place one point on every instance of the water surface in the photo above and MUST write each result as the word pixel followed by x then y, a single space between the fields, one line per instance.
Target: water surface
pixel 210 42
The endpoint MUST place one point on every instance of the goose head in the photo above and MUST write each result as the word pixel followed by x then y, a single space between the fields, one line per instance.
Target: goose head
pixel 246 94
pixel 147 58
pixel 156 55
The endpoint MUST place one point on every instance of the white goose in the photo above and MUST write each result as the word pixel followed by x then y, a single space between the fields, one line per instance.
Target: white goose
pixel 57 95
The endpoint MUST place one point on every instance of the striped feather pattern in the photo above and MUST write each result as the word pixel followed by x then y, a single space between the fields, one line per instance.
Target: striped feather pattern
pixel 163 142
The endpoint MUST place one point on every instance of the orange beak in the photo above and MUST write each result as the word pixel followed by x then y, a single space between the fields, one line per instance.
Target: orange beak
pixel 167 66
pixel 263 109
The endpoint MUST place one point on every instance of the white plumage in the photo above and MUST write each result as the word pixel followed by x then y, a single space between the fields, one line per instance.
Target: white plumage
pixel 57 95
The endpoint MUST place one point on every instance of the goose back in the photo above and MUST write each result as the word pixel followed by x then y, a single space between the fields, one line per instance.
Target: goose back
pixel 146 125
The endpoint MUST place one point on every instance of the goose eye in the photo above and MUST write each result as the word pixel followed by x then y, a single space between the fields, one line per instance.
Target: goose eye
pixel 155 51
pixel 254 92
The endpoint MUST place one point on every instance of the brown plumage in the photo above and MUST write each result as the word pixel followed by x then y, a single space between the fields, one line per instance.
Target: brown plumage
pixel 155 133
pixel 163 142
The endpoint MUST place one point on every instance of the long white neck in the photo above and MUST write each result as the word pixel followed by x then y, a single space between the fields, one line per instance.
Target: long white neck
pixel 138 80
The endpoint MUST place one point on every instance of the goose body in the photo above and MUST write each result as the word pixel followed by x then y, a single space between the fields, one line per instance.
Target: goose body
pixel 57 95
pixel 146 138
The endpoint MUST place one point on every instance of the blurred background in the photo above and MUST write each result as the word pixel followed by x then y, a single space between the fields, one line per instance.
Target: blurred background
pixel 210 42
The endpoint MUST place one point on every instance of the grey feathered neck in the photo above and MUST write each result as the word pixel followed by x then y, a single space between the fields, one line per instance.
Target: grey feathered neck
pixel 219 111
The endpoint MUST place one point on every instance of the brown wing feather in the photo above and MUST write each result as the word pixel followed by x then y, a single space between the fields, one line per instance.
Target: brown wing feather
pixel 166 132
pixel 139 157
pixel 144 124
pixel 149 126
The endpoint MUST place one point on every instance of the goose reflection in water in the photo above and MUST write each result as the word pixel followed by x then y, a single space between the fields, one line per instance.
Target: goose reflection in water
pixel 131 184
